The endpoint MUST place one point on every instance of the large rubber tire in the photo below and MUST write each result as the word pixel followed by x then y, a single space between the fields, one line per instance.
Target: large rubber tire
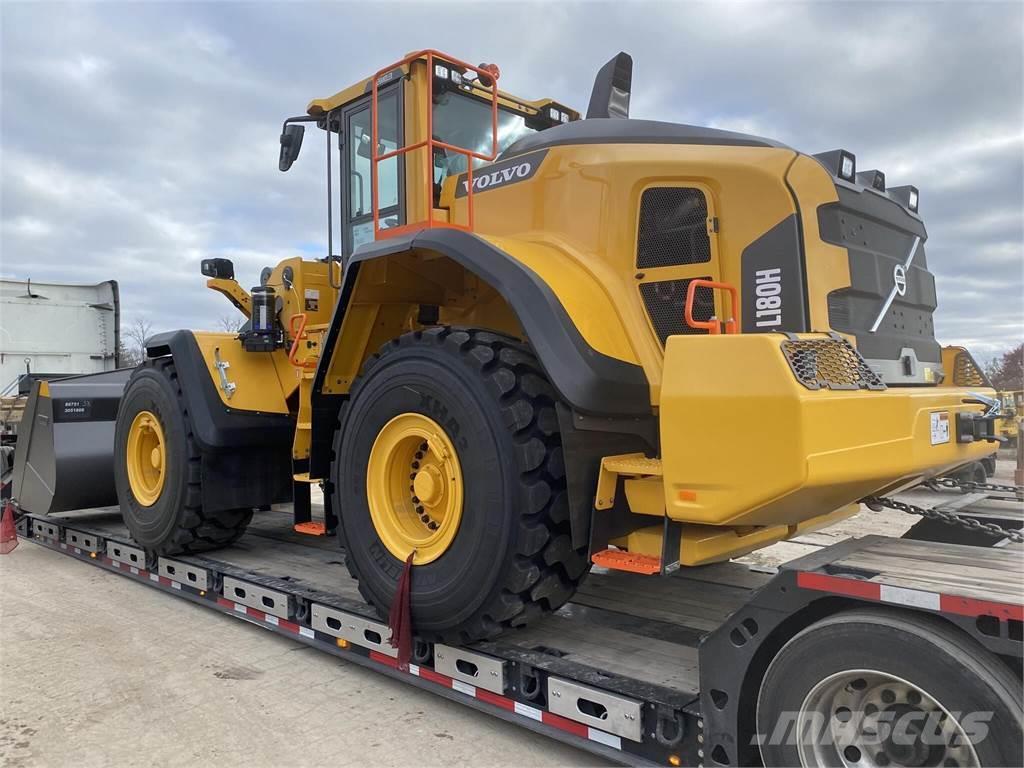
pixel 176 522
pixel 951 667
pixel 512 557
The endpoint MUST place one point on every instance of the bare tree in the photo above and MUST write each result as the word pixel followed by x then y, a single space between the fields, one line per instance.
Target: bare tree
pixel 134 340
pixel 1006 372
pixel 232 323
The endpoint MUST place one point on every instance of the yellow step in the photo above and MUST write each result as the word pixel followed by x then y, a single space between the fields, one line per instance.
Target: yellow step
pixel 632 464
pixel 628 465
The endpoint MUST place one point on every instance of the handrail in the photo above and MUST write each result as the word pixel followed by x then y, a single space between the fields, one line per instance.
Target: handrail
pixel 430 143
pixel 712 326
pixel 298 333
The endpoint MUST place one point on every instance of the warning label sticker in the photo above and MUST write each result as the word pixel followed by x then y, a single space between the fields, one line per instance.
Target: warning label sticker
pixel 312 296
pixel 940 427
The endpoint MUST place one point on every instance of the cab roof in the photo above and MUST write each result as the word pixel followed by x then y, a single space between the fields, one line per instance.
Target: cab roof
pixel 319 107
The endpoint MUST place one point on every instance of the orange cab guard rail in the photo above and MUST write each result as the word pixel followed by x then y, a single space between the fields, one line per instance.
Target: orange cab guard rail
pixel 490 72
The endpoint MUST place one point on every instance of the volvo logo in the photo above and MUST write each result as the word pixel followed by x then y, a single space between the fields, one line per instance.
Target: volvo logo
pixel 899 279
pixel 501 174
pixel 899 283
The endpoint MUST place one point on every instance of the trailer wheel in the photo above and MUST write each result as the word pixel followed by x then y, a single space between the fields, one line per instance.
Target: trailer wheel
pixel 449 446
pixel 883 688
pixel 157 469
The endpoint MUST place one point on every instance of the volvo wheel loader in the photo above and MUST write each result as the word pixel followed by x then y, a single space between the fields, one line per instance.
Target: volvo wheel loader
pixel 547 341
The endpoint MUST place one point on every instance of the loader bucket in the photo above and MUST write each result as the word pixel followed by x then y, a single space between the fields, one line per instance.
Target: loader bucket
pixel 64 458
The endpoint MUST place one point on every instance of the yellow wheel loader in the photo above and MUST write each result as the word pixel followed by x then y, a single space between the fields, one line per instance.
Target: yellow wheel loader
pixel 1008 426
pixel 537 344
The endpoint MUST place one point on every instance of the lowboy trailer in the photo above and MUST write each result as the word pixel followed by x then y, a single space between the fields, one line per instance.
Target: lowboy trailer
pixel 685 670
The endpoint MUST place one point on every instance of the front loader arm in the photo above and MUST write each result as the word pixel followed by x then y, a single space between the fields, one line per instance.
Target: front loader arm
pixel 235 293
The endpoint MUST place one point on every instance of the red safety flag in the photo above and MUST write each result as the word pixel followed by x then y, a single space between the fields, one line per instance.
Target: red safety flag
pixel 400 616
pixel 8 534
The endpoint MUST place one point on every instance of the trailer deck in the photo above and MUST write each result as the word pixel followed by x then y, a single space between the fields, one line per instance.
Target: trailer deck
pixel 626 670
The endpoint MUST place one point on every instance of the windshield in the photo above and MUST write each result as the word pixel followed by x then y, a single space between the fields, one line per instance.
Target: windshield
pixel 464 121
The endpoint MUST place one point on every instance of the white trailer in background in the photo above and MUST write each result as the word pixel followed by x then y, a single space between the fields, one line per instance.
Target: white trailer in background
pixel 54 328
pixel 50 330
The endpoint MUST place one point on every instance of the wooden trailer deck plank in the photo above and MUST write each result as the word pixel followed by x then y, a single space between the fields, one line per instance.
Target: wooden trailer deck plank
pixel 991 574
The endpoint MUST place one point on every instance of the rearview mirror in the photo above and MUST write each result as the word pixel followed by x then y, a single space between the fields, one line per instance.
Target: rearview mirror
pixel 291 143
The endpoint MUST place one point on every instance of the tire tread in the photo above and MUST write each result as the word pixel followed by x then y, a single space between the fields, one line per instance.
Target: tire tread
pixel 544 570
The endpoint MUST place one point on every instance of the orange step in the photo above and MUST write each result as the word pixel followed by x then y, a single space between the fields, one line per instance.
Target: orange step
pixel 311 529
pixel 617 560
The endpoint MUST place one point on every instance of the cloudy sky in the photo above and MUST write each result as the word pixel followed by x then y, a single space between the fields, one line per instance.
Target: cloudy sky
pixel 139 138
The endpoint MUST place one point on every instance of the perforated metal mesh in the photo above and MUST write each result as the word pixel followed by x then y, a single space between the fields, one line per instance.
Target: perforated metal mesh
pixel 673 228
pixel 967 373
pixel 665 301
pixel 830 363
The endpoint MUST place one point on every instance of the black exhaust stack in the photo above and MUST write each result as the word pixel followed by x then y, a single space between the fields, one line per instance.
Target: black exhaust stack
pixel 610 97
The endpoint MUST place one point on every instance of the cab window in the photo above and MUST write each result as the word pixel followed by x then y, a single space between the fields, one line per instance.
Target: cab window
pixel 360 175
pixel 464 121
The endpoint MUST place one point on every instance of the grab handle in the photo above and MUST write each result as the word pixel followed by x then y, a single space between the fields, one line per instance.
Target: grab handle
pixel 712 326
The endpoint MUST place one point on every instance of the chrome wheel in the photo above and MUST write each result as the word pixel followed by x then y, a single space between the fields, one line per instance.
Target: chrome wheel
pixel 864 718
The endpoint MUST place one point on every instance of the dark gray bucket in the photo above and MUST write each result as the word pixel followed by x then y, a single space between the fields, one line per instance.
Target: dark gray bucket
pixel 64 458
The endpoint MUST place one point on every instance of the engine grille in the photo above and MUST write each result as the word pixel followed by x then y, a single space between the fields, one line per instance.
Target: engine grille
pixel 673 228
pixel 830 363
pixel 966 372
pixel 665 301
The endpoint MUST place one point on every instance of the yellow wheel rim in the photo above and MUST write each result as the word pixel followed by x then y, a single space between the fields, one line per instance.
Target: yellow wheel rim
pixel 147 458
pixel 414 488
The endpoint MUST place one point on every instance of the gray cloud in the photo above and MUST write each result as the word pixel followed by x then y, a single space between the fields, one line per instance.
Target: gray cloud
pixel 138 139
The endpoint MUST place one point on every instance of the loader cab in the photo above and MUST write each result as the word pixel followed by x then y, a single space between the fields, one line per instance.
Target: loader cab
pixel 419 152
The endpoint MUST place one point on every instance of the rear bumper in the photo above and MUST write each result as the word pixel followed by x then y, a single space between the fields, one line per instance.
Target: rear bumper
pixel 744 443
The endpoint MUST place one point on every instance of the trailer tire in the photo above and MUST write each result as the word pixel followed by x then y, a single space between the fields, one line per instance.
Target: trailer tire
pixel 892 664
pixel 510 556
pixel 175 522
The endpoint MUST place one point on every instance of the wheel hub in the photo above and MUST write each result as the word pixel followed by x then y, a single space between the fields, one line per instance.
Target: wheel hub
pixel 146 458
pixel 428 486
pixel 414 488
pixel 864 718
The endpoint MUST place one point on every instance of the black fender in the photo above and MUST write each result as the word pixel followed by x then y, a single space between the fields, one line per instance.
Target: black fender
pixel 588 381
pixel 246 455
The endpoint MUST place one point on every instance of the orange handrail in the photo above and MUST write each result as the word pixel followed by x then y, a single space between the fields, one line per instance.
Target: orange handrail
pixel 298 333
pixel 712 326
pixel 489 72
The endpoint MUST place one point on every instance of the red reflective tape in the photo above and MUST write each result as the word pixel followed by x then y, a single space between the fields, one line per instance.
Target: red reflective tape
pixel 111 561
pixel 563 724
pixel 385 660
pixel 495 699
pixel 821 582
pixel 165 581
pixel 143 574
pixel 966 606
pixel 434 677
pixel 288 625
pixel 225 603
pixel 256 614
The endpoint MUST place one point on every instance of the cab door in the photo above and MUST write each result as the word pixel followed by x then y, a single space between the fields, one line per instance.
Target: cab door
pixel 357 172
